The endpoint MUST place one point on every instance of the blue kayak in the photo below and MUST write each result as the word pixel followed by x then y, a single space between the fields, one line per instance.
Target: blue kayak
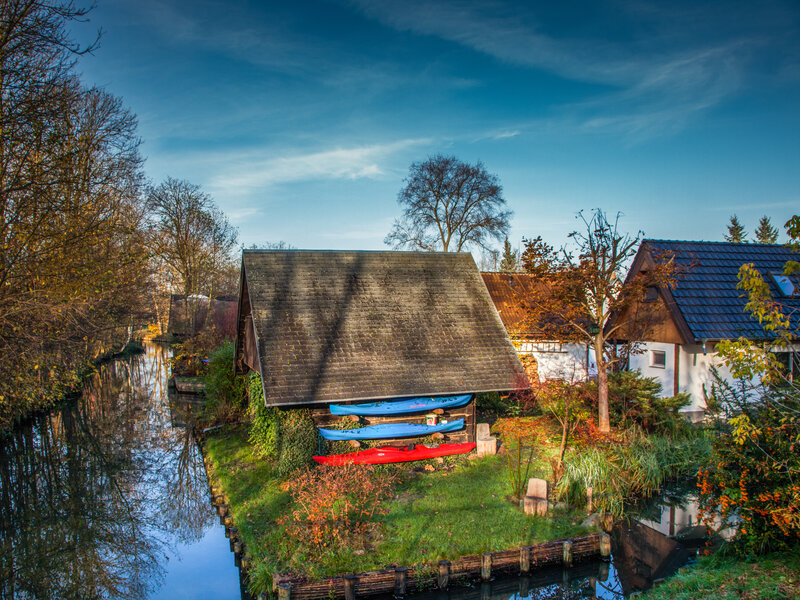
pixel 390 430
pixel 403 405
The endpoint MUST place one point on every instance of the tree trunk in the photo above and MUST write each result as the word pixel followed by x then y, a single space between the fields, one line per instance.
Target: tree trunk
pixel 604 424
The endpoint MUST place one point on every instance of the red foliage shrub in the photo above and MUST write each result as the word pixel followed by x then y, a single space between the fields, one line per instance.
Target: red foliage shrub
pixel 336 505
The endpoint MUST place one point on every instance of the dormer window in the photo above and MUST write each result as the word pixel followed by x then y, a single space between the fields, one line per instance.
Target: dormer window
pixel 787 284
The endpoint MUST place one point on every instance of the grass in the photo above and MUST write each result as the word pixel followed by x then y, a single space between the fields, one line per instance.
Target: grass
pixel 460 508
pixel 772 577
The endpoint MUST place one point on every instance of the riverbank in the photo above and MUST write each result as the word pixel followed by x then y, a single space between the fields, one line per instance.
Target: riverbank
pixel 772 577
pixel 438 511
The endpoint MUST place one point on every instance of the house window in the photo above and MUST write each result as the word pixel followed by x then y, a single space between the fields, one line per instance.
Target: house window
pixel 658 359
pixel 650 294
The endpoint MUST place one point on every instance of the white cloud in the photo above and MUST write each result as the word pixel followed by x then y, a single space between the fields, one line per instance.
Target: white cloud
pixel 245 173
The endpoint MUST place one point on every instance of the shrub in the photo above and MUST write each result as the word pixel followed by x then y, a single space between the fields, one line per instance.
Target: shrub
pixel 264 421
pixel 335 506
pixel 298 440
pixel 225 391
pixel 189 356
pixel 754 479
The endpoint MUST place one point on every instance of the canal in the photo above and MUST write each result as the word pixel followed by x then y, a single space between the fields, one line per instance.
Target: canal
pixel 106 497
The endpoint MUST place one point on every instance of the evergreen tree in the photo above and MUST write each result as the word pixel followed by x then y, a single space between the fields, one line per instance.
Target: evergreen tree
pixel 736 232
pixel 509 263
pixel 765 232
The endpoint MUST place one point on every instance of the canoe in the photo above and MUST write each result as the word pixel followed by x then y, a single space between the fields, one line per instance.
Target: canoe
pixel 400 406
pixel 391 454
pixel 389 430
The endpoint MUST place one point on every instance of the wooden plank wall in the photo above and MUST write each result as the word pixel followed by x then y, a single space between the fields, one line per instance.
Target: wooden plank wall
pixel 323 418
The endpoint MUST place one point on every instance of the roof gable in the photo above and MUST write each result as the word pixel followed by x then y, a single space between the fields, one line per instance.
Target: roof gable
pixel 706 296
pixel 333 326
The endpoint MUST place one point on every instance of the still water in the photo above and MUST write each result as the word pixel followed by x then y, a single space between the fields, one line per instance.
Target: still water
pixel 107 498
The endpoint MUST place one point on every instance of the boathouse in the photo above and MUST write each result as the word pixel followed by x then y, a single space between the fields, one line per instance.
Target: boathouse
pixel 347 326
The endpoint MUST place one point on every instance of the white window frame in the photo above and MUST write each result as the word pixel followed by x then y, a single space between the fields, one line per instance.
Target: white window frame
pixel 658 364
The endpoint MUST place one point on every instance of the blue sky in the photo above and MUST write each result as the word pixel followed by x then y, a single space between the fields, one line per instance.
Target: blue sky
pixel 301 119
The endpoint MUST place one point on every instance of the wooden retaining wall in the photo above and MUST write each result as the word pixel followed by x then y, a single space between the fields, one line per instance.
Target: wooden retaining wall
pixel 400 580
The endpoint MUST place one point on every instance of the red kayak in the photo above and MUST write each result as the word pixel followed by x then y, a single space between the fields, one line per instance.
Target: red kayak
pixel 392 454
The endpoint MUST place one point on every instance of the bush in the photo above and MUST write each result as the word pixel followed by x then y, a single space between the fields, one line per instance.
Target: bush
pixel 264 421
pixel 754 479
pixel 335 506
pixel 298 440
pixel 225 391
pixel 189 356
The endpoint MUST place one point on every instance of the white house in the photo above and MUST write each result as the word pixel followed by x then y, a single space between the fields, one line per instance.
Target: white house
pixel 545 358
pixel 704 308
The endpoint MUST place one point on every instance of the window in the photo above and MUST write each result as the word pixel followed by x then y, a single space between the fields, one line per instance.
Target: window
pixel 650 294
pixel 658 359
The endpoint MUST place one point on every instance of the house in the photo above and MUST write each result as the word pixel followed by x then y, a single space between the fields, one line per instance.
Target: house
pixel 189 314
pixel 347 326
pixel 703 308
pixel 544 358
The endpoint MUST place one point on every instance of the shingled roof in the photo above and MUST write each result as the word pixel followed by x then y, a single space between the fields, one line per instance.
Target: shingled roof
pixel 336 326
pixel 508 291
pixel 705 302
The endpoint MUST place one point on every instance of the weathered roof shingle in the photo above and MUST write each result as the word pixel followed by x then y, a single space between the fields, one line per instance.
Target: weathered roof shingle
pixel 335 326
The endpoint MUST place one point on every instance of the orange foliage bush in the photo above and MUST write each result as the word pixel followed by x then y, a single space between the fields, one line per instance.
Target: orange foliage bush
pixel 334 505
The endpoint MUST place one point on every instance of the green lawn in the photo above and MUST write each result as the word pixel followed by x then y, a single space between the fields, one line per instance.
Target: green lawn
pixel 773 577
pixel 460 508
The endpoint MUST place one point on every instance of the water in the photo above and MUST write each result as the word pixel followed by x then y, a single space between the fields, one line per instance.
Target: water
pixel 107 498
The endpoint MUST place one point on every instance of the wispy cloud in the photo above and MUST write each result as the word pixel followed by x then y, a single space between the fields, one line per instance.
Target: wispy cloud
pixel 653 84
pixel 251 171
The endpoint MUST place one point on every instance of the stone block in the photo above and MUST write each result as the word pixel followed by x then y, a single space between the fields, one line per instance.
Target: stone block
pixel 482 430
pixel 537 488
pixel 486 446
pixel 535 506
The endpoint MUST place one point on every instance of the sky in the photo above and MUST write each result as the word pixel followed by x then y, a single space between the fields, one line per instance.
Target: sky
pixel 301 119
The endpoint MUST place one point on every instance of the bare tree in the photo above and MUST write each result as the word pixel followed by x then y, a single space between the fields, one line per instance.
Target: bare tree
pixel 191 237
pixel 584 291
pixel 449 205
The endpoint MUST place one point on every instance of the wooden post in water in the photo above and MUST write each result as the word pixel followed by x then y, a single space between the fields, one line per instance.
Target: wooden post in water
pixel 350 582
pixel 486 566
pixel 285 591
pixel 589 496
pixel 443 578
pixel 567 557
pixel 400 581
pixel 605 546
pixel 525 560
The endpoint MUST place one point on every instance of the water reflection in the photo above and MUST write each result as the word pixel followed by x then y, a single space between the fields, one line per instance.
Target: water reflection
pixel 98 496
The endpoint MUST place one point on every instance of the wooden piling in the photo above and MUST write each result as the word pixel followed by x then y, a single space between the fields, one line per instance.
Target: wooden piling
pixel 567 555
pixel 400 575
pixel 589 496
pixel 285 591
pixel 350 582
pixel 525 560
pixel 486 566
pixel 605 545
pixel 443 579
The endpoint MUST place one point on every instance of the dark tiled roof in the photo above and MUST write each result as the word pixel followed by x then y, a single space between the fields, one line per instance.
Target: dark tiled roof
pixel 707 295
pixel 368 325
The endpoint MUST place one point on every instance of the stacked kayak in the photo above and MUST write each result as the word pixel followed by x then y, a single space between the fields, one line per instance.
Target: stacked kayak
pixel 403 405
pixel 390 430
pixel 390 454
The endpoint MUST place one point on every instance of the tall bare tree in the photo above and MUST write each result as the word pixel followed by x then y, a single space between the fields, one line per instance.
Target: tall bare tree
pixel 449 205
pixel 585 287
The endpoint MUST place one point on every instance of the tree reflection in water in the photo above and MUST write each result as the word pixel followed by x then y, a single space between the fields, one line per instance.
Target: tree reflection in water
pixel 94 494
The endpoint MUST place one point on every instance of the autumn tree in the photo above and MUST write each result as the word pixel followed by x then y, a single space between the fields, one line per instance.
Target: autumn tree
pixel 449 205
pixel 72 254
pixel 766 233
pixel 585 286
pixel 736 232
